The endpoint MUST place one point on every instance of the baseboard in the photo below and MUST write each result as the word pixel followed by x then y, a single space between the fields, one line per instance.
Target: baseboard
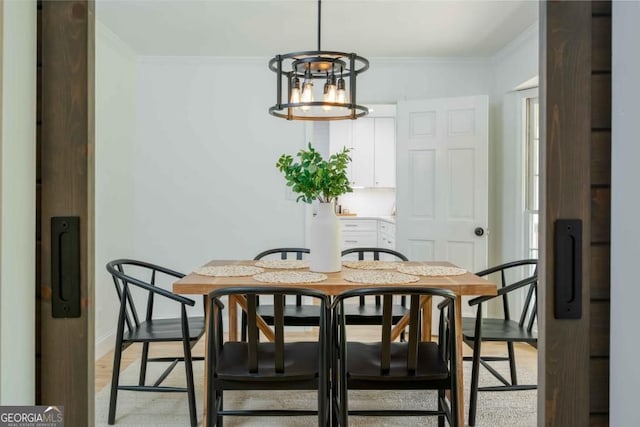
pixel 104 345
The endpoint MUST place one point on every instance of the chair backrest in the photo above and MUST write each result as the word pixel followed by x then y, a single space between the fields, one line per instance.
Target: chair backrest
pixel 143 275
pixel 518 275
pixel 374 254
pixel 284 253
pixel 251 294
pixel 447 325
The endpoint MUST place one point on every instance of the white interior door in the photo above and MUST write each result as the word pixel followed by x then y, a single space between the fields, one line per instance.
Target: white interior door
pixel 442 183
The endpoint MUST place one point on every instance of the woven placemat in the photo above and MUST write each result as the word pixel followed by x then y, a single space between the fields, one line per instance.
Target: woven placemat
pixel 229 270
pixel 285 264
pixel 431 270
pixel 379 277
pixel 290 277
pixel 372 265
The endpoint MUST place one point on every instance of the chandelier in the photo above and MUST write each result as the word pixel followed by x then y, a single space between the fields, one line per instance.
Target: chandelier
pixel 299 99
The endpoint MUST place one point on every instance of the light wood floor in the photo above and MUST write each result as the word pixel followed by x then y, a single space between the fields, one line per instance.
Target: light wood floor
pixel 525 354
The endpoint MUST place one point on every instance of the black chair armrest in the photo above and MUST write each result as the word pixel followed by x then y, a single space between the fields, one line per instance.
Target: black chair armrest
pixel 505 266
pixel 216 301
pixel 505 290
pixel 148 265
pixel 163 292
pixel 148 287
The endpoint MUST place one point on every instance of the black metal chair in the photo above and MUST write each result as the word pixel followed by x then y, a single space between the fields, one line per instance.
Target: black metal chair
pixel 518 276
pixel 297 314
pixel 254 365
pixel 365 313
pixel 386 365
pixel 128 274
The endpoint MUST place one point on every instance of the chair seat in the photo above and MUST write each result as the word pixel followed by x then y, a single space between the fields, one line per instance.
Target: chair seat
pixel 363 362
pixel 165 330
pixel 294 315
pixel 370 314
pixel 498 330
pixel 301 362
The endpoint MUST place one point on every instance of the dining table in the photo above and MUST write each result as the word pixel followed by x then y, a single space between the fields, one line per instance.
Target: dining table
pixel 466 284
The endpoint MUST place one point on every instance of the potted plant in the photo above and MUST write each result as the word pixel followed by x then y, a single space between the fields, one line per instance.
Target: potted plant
pixel 315 178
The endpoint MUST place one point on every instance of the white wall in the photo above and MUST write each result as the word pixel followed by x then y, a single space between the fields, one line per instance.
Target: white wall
pixel 205 181
pixel 115 122
pixel 17 202
pixel 370 201
pixel 625 205
pixel 389 80
pixel 514 64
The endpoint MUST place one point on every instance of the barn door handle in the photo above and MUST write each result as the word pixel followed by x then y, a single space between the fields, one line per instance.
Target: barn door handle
pixel 568 268
pixel 479 231
pixel 65 266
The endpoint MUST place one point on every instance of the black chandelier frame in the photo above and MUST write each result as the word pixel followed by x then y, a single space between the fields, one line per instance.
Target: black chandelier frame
pixel 316 65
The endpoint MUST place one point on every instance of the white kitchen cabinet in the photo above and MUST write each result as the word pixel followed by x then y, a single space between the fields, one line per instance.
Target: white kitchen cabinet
pixel 386 238
pixel 339 138
pixel 372 144
pixel 369 233
pixel 359 233
pixel 362 152
pixel 384 152
pixel 386 235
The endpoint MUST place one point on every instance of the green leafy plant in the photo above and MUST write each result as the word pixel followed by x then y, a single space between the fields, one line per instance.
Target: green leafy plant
pixel 315 178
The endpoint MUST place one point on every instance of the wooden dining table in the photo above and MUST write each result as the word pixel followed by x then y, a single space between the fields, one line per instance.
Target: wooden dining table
pixel 466 284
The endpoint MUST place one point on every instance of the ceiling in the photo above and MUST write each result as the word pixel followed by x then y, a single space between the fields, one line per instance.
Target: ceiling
pixel 263 28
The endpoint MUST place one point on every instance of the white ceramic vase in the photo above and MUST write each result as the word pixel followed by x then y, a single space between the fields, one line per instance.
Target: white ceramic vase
pixel 324 242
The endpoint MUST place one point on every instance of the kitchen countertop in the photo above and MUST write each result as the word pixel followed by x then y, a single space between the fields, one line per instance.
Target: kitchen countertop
pixel 389 219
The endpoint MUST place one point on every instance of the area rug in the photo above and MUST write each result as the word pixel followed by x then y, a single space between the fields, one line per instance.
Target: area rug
pixel 495 409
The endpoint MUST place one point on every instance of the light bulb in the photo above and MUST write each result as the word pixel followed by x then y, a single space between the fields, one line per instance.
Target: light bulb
pixel 329 94
pixel 341 93
pixel 307 94
pixel 295 92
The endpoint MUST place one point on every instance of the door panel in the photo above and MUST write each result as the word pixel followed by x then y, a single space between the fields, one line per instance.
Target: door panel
pixel 442 186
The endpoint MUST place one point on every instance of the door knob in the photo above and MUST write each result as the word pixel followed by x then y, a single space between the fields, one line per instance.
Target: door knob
pixel 479 231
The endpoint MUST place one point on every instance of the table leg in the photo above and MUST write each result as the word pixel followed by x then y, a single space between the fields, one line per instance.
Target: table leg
pixel 427 310
pixel 206 358
pixel 425 305
pixel 262 325
pixel 458 320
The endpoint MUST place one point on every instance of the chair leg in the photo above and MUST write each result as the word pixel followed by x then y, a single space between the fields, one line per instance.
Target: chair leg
pixel 214 407
pixel 115 377
pixel 191 392
pixel 143 363
pixel 243 327
pixel 344 404
pixel 512 364
pixel 440 408
pixel 333 342
pixel 218 416
pixel 473 399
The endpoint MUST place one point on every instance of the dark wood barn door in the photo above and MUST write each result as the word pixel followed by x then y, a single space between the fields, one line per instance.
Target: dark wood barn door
pixel 576 105
pixel 64 236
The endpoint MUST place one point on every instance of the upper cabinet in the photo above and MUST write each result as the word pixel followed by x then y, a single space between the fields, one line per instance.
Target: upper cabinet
pixel 372 141
pixel 384 155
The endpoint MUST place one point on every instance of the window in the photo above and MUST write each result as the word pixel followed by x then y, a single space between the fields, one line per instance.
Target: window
pixel 532 177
